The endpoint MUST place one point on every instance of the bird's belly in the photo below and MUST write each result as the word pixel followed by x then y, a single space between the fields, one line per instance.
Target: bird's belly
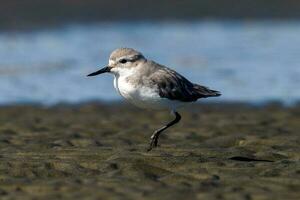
pixel 143 96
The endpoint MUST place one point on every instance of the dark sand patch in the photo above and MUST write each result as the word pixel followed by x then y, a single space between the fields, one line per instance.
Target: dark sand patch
pixel 95 151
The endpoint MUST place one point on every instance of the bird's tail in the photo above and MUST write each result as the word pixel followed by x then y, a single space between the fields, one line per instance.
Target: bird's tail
pixel 205 92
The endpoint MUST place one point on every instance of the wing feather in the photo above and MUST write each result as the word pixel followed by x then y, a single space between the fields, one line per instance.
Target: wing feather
pixel 174 86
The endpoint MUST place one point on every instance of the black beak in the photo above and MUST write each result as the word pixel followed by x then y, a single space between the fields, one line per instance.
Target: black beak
pixel 101 71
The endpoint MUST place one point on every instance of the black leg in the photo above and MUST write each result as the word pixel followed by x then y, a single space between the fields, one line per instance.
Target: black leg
pixel 155 136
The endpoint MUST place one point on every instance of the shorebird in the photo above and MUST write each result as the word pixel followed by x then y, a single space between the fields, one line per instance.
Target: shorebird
pixel 148 84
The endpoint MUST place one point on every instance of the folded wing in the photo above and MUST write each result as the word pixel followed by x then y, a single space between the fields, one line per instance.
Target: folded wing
pixel 174 86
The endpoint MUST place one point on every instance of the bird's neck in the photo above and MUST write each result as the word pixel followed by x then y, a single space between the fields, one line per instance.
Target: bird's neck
pixel 125 72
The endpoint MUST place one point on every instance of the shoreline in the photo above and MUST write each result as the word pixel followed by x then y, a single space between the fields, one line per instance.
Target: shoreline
pixel 123 103
pixel 28 28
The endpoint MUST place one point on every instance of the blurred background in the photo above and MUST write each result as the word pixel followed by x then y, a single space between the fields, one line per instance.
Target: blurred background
pixel 248 49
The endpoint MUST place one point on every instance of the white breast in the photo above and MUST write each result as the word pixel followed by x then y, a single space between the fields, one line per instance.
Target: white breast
pixel 143 96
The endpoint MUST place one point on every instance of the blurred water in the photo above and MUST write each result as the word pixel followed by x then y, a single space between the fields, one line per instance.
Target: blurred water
pixel 246 61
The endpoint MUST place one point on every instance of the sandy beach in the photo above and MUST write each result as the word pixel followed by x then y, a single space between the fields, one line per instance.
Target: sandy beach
pixel 98 151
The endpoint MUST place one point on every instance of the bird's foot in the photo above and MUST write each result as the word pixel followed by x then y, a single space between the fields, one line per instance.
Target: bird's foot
pixel 153 142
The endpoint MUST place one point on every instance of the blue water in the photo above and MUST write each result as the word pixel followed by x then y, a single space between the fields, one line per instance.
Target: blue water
pixel 246 61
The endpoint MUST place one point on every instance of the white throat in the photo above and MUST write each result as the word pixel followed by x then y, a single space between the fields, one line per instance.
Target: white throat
pixel 121 83
pixel 124 72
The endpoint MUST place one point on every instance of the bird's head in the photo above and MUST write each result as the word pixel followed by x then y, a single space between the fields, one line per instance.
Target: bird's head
pixel 122 59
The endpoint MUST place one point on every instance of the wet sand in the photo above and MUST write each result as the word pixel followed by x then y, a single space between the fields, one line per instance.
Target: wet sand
pixel 96 151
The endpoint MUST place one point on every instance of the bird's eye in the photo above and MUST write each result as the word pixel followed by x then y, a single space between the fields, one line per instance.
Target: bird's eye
pixel 123 61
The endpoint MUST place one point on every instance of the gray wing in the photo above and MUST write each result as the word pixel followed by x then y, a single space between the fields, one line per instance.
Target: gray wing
pixel 174 86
